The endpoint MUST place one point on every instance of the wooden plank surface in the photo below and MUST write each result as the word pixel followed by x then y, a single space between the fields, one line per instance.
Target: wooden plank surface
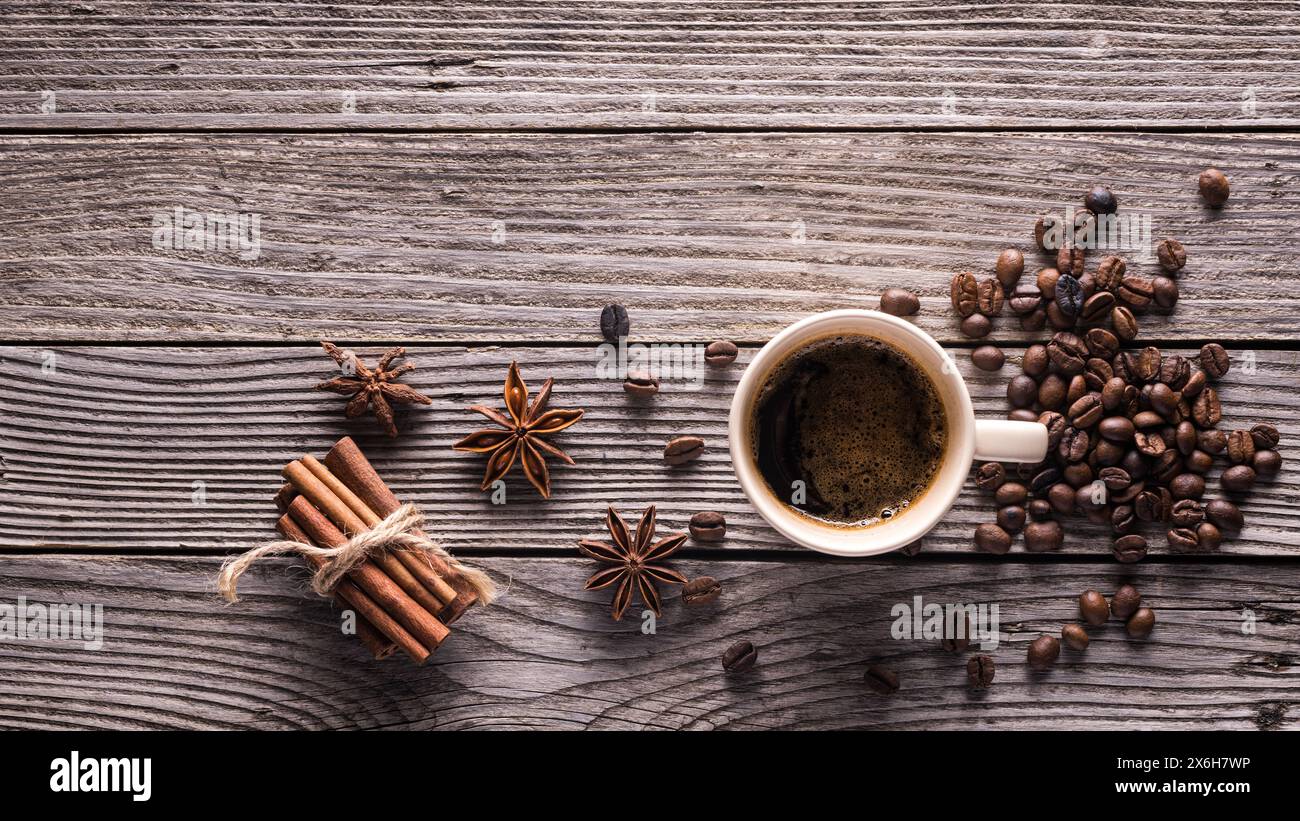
pixel 525 237
pixel 635 64
pixel 104 453
pixel 548 655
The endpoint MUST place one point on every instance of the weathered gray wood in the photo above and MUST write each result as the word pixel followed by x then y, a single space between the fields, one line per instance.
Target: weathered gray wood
pixel 548 655
pixel 700 235
pixel 648 65
pixel 103 454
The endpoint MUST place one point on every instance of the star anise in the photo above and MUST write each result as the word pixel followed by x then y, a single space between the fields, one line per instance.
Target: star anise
pixel 369 388
pixel 520 435
pixel 632 561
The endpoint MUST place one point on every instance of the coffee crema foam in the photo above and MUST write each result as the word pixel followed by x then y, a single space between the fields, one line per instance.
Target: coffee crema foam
pixel 858 422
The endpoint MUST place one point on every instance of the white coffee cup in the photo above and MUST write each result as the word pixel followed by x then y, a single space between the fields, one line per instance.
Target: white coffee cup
pixel 968 438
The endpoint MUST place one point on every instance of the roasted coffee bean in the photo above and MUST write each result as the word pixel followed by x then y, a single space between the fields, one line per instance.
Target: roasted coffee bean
pixel 683 449
pixel 1097 372
pixel 1093 608
pixel 1213 185
pixel 1036 361
pixel 1238 478
pixel 1146 365
pixel 964 292
pixel 1100 200
pixel 1208 536
pixel 989 296
pixel 976 326
pixel 1040 510
pixel 1214 360
pixel 1044 479
pixel 1265 437
pixel 1097 307
pixel 1187 486
pixel 1022 415
pixel 1011 493
pixel 1206 410
pixel 1148 443
pixel 1128 494
pixel 1181 539
pixel 1141 623
pixel 1164 292
pixel 1052 392
pixel 881 680
pixel 1012 518
pixel 1115 478
pixel 1009 267
pixel 1224 514
pixel 1195 384
pixel 721 352
pixel 1068 353
pixel 1086 411
pixel 1198 461
pixel 1124 323
pixel 614 322
pixel 1046 281
pixel 1212 441
pixel 1125 602
pixel 1135 465
pixel 1110 272
pixel 1164 400
pixel 988 357
pixel 1025 299
pixel 1122 519
pixel 708 526
pixel 1171 254
pixel 741 656
pixel 1077 475
pixel 1129 549
pixel 1042 232
pixel 1069 260
pixel 1043 652
pixel 1117 429
pixel 1112 393
pixel 1152 506
pixel 1267 462
pixel 1087 499
pixel 1022 391
pixel 1075 637
pixel 1101 343
pixel 899 302
pixel 701 591
pixel 1186 513
pixel 1069 294
pixel 1074 445
pixel 1059 320
pixel 1147 420
pixel 641 383
pixel 1174 371
pixel 980 671
pixel 1075 389
pixel 1241 447
pixel 990 476
pixel 1055 424
pixel 992 539
pixel 1046 535
pixel 1166 466
pixel 1185 437
pixel 1061 496
pixel 1136 290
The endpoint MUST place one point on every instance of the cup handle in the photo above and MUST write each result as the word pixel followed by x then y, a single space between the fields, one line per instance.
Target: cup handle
pixel 998 440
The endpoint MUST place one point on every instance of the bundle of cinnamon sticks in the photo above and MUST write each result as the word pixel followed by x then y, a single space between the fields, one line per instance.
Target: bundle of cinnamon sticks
pixel 402 598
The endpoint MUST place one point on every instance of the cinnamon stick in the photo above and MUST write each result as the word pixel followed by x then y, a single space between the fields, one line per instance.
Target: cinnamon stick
pixel 342 516
pixel 422 625
pixel 346 461
pixel 417 564
pixel 349 597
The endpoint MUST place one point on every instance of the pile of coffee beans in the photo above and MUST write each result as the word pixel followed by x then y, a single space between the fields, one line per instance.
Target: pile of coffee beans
pixel 1095 611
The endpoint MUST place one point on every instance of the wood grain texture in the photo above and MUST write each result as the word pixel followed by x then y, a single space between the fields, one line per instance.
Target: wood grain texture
pixel 635 64
pixel 525 238
pixel 105 453
pixel 549 656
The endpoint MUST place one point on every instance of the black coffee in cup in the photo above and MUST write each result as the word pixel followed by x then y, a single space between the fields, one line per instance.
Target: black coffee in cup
pixel 848 430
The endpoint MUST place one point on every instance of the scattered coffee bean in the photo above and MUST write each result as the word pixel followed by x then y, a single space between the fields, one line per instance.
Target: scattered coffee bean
pixel 1097 307
pixel 1011 493
pixel 1129 549
pixel 965 294
pixel 1265 437
pixel 1046 281
pixel 701 591
pixel 1022 391
pixel 1198 461
pixel 1022 415
pixel 1100 200
pixel 1124 323
pixel 1214 360
pixel 1214 188
pixel 1136 291
pixel 1093 608
pixel 1164 292
pixel 988 358
pixel 979 672
pixel 1187 486
pixel 1012 518
pixel 1086 410
pixel 1224 514
pixel 708 526
pixel 1052 392
pixel 683 449
pixel 1212 441
pixel 1171 254
pixel 1009 267
pixel 614 322
pixel 1186 513
pixel 1195 384
pixel 1125 602
pixel 989 296
pixel 1040 510
pixel 1267 462
pixel 740 657
pixel 1153 506
pixel 1141 623
pixel 899 302
pixel 1241 447
pixel 1208 537
pixel 641 383
pixel 1110 272
pixel 881 680
pixel 976 326
pixel 1069 295
pixel 993 539
pixel 1024 300
pixel 1043 652
pixel 1043 536
pixel 1070 260
pixel 1206 410
pixel 1238 478
pixel 1181 539
pixel 990 476
pixel 720 353
pixel 1075 637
